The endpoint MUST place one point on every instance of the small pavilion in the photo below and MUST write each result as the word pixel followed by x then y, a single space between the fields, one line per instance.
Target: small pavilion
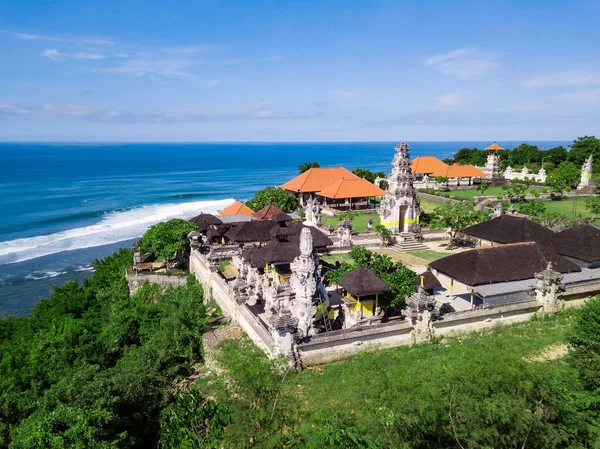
pixel 505 229
pixel 306 185
pixel 237 208
pixel 426 166
pixel 347 194
pixel 267 212
pixel 457 171
pixel 361 292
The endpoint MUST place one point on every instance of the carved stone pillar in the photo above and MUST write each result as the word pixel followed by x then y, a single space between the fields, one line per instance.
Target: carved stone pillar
pixel 421 310
pixel 546 288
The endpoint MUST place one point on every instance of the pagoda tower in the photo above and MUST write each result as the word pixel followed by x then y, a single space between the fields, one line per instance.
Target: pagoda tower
pixel 400 207
pixel 492 171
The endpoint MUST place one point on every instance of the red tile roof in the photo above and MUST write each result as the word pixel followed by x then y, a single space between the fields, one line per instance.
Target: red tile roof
pixel 267 212
pixel 426 165
pixel 459 171
pixel 351 188
pixel 494 147
pixel 317 179
pixel 237 208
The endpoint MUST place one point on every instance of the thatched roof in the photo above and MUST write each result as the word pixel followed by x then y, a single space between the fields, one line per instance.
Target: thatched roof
pixel 267 212
pixel 282 231
pixel 251 231
pixel 501 263
pixel 362 281
pixel 320 240
pixel 281 217
pixel 508 229
pixel 430 282
pixel 272 252
pixel 203 221
pixel 579 242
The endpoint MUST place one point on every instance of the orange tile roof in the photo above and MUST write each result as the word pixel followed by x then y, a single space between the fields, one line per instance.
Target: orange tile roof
pixel 459 171
pixel 267 212
pixel 494 147
pixel 427 165
pixel 237 208
pixel 351 188
pixel 317 179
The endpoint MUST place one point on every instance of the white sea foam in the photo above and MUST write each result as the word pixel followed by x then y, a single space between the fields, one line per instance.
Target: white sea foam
pixel 37 275
pixel 85 268
pixel 114 227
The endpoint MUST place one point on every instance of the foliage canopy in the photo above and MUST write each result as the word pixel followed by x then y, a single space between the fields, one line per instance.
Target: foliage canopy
pixel 278 197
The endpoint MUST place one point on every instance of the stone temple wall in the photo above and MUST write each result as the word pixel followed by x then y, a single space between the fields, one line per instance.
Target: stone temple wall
pixel 135 280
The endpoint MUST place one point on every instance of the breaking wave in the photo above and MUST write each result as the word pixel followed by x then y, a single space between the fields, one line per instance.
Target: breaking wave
pixel 113 228
pixel 37 275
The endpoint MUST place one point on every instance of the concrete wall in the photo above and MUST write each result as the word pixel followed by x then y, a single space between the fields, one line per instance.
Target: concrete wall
pixel 215 287
pixel 135 280
pixel 339 345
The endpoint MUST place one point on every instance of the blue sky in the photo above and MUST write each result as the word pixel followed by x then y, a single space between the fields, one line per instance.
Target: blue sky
pixel 298 71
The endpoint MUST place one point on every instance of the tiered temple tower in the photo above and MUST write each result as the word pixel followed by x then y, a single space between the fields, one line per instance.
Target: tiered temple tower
pixel 586 175
pixel 400 207
pixel 492 167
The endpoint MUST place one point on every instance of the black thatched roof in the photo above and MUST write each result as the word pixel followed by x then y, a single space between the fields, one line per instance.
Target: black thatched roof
pixel 362 281
pixel 217 230
pixel 203 221
pixel 281 217
pixel 251 231
pixel 508 229
pixel 430 282
pixel 281 231
pixel 579 242
pixel 501 263
pixel 272 252
pixel 320 240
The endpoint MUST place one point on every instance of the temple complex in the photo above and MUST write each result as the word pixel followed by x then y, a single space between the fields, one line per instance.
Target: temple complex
pixel 493 173
pixel 400 207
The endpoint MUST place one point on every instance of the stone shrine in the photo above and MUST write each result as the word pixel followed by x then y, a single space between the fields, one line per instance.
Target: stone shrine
pixel 493 173
pixel 586 175
pixel 400 208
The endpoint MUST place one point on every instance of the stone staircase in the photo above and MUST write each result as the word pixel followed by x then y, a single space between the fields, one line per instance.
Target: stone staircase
pixel 408 242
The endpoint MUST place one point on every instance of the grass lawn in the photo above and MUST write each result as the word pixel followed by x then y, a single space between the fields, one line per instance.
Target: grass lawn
pixel 572 207
pixel 223 263
pixel 333 258
pixel 428 205
pixel 469 194
pixel 428 254
pixel 359 223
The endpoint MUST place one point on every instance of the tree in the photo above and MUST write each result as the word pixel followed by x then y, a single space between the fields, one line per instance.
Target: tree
pixel 368 174
pixel 584 337
pixel 532 208
pixel 167 238
pixel 555 155
pixel 553 219
pixel 481 188
pixel 582 148
pixel 457 215
pixel 307 166
pixel 514 191
pixel 563 177
pixel 399 278
pixel 384 234
pixel 278 197
pixel 592 205
pixel 525 154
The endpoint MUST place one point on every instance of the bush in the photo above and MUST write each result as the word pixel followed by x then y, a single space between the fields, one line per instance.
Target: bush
pixel 167 238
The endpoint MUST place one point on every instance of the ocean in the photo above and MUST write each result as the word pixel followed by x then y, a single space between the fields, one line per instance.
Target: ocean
pixel 62 205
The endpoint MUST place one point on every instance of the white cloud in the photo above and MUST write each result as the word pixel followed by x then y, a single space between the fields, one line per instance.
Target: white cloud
pixel 42 37
pixel 462 62
pixel 91 56
pixel 582 97
pixel 571 78
pixel 212 83
pixel 51 53
pixel 153 67
pixel 449 100
pixel 346 94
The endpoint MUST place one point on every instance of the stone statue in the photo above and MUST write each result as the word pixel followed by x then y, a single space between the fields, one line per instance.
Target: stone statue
pixel 400 207
pixel 370 225
pixel 498 210
pixel 137 256
pixel 586 174
pixel 547 285
pixel 345 234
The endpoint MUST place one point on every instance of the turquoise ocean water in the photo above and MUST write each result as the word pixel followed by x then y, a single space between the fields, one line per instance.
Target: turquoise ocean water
pixel 62 205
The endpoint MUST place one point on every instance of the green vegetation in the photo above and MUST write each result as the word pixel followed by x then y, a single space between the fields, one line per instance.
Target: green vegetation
pixel 428 255
pixel 340 257
pixel 592 205
pixel 456 215
pixel 358 219
pixel 564 177
pixel 571 207
pixel 509 388
pixel 278 197
pixel 470 194
pixel 307 166
pixel 167 239
pixel 399 279
pixel 91 367
pixel 224 263
pixel 368 174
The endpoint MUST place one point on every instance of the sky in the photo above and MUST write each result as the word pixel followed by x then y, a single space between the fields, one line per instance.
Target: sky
pixel 87 70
